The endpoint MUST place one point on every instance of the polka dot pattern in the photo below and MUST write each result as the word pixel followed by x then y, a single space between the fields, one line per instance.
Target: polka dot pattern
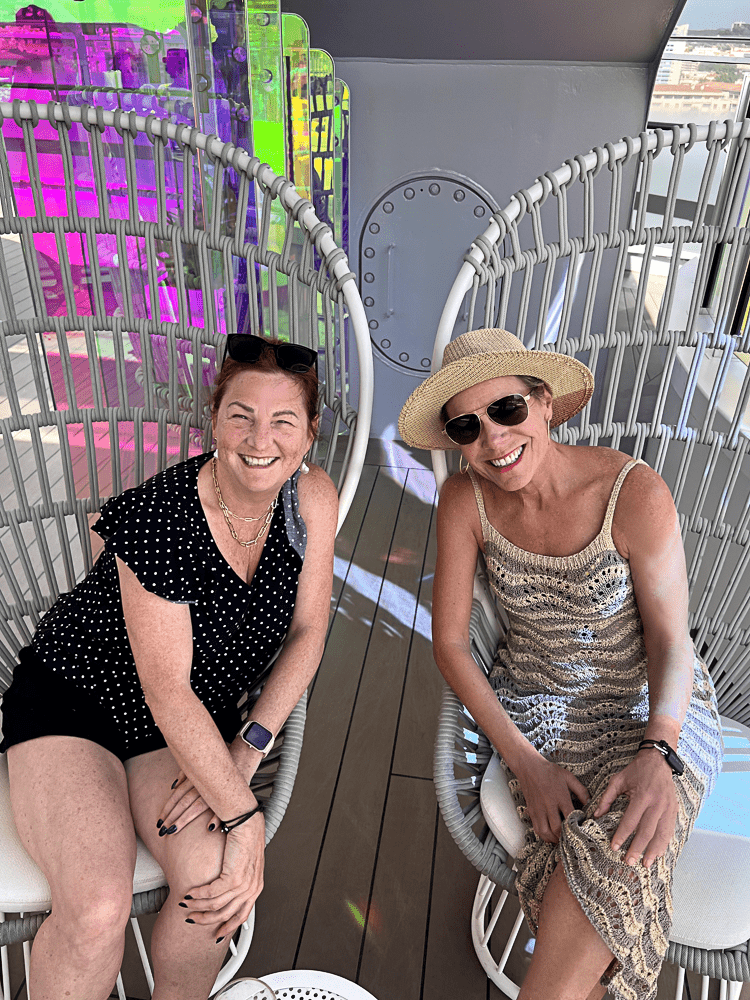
pixel 160 532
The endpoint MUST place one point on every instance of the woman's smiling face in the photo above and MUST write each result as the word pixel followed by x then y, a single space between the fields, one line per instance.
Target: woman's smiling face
pixel 262 431
pixel 507 456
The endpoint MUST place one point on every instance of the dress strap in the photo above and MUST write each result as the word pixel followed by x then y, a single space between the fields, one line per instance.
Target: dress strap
pixel 480 502
pixel 609 516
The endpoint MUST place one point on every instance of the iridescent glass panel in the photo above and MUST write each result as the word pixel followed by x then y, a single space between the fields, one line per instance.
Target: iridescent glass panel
pixel 297 69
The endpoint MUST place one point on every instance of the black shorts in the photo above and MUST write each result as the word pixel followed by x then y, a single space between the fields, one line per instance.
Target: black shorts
pixel 42 702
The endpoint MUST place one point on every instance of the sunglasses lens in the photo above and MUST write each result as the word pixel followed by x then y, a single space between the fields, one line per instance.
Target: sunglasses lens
pixel 295 358
pixel 508 411
pixel 463 429
pixel 244 347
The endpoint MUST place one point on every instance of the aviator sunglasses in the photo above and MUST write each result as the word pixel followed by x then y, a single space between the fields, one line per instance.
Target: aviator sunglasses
pixel 291 357
pixel 508 411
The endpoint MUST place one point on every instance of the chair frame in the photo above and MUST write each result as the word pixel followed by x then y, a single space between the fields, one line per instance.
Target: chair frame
pixel 462 752
pixel 327 280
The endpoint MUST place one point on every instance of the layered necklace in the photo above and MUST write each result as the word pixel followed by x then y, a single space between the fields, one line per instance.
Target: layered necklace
pixel 228 515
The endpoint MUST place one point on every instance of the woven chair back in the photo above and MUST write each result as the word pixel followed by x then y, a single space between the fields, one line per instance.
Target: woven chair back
pixel 633 258
pixel 129 247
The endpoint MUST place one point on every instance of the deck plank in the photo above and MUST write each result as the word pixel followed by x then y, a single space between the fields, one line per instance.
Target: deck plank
pixel 349 852
pixel 451 967
pixel 424 684
pixel 392 965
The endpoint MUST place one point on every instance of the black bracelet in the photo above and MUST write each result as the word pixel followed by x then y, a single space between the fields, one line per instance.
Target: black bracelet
pixel 232 824
pixel 666 751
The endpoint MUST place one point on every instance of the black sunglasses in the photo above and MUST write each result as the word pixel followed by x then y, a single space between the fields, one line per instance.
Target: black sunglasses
pixel 508 411
pixel 291 357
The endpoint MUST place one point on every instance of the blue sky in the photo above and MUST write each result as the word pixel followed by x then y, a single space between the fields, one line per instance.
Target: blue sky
pixel 714 13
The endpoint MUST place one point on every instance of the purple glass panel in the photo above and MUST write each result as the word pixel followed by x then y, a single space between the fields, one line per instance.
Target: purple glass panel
pixel 122 65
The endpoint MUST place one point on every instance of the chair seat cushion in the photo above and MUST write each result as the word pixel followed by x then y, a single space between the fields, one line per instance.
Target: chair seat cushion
pixel 712 878
pixel 500 810
pixel 23 888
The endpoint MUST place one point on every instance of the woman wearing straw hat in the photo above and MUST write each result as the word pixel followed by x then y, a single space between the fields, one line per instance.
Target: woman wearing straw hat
pixel 597 704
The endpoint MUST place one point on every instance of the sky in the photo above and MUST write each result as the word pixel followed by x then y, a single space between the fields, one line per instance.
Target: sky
pixel 714 13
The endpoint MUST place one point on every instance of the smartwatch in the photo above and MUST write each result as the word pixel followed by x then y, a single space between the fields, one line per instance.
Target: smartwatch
pixel 666 751
pixel 257 737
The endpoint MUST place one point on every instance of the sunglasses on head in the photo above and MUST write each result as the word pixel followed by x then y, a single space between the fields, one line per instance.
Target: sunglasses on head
pixel 290 357
pixel 508 411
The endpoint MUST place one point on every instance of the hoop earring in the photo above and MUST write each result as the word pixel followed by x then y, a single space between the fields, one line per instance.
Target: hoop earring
pixel 549 436
pixel 461 469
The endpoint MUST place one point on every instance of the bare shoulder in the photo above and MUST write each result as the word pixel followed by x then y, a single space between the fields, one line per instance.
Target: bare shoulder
pixel 457 493
pixel 645 514
pixel 318 499
pixel 458 504
pixel 599 464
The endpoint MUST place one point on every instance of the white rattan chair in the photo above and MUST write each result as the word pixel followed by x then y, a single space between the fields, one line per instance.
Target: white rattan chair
pixel 628 298
pixel 129 247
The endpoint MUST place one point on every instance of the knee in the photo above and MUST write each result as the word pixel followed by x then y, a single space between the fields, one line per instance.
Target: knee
pixel 96 920
pixel 199 866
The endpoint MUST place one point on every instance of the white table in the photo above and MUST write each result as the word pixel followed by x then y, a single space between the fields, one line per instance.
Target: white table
pixel 295 985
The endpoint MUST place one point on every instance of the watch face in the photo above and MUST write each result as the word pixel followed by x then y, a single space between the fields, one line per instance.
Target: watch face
pixel 257 736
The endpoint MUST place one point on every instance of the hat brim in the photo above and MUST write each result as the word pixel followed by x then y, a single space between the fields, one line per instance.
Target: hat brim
pixel 571 384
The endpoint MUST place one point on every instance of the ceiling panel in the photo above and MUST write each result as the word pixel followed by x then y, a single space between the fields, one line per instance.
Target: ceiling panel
pixel 570 30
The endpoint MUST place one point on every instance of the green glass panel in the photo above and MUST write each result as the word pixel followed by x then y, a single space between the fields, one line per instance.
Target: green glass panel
pixel 154 15
pixel 322 91
pixel 296 41
pixel 267 82
pixel 341 164
pixel 267 93
pixel 341 188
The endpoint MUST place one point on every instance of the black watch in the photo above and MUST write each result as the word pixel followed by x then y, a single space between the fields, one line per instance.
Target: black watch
pixel 666 751
pixel 257 737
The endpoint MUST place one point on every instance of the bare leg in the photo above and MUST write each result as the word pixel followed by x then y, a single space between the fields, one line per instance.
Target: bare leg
pixel 70 803
pixel 569 956
pixel 186 957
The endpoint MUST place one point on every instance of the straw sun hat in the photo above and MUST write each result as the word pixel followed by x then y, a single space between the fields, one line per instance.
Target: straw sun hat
pixel 481 355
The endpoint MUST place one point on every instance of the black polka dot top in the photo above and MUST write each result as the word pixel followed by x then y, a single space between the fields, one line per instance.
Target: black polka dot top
pixel 160 532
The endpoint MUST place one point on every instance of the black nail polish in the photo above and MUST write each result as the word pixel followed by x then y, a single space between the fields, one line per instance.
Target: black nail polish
pixel 162 831
pixel 187 897
pixel 211 826
pixel 172 828
pixel 189 921
pixel 183 904
pixel 159 824
pixel 174 783
pixel 219 940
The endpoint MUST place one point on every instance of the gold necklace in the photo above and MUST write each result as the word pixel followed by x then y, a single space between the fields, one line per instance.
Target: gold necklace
pixel 228 514
pixel 223 506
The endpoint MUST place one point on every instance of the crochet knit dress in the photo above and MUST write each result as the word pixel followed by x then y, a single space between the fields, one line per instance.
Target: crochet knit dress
pixel 571 674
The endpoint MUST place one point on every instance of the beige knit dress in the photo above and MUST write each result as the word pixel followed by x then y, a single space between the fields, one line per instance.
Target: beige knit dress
pixel 571 674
